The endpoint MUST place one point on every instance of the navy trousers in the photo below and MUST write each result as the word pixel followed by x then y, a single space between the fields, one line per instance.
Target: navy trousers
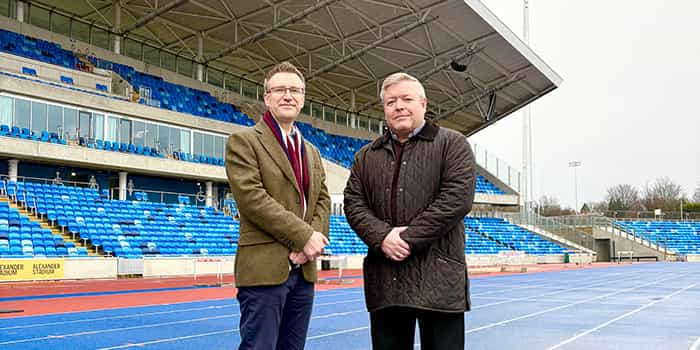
pixel 276 317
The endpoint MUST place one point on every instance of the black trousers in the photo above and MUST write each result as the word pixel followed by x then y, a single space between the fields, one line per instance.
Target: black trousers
pixel 393 328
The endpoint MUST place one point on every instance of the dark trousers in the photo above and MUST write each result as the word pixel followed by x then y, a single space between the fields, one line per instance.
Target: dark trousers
pixel 394 328
pixel 276 317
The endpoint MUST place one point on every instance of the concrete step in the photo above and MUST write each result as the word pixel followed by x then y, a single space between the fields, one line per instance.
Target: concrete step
pixel 44 223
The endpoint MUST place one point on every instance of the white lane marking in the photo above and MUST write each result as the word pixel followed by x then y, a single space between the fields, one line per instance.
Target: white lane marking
pixel 587 286
pixel 605 324
pixel 491 325
pixel 199 335
pixel 152 325
pixel 338 332
pixel 166 340
pixel 118 317
pixel 553 286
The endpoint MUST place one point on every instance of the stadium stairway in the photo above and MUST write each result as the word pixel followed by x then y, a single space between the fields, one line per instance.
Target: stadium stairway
pixel 45 224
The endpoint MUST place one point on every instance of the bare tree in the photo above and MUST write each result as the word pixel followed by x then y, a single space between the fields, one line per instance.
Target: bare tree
pixel 599 207
pixel 622 197
pixel 696 196
pixel 549 206
pixel 663 194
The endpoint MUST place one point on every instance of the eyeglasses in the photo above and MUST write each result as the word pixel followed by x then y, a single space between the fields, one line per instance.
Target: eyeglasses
pixel 281 91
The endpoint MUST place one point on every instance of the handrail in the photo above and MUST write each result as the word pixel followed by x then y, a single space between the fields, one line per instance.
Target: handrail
pixel 567 232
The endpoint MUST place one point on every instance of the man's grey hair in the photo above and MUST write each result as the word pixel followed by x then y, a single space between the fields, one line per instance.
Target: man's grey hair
pixel 397 78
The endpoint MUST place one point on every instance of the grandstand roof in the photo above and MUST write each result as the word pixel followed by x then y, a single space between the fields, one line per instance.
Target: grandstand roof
pixel 348 46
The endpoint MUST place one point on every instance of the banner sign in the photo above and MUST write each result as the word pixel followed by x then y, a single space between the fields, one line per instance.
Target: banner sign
pixel 31 269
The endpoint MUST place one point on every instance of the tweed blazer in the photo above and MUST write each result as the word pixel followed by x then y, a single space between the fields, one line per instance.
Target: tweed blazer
pixel 268 200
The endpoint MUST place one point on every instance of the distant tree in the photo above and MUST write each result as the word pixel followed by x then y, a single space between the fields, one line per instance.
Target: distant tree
pixel 696 196
pixel 585 209
pixel 622 197
pixel 599 207
pixel 692 207
pixel 663 194
pixel 549 206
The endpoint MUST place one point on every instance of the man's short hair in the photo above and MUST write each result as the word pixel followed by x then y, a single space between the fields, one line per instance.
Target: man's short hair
pixel 397 78
pixel 283 67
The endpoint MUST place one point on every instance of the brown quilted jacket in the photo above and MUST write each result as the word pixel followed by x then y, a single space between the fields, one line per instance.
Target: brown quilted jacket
pixel 435 191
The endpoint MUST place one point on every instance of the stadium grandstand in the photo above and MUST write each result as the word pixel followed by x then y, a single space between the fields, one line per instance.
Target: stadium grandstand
pixel 114 117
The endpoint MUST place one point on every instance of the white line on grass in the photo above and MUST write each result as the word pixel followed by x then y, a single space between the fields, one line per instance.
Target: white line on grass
pixel 491 325
pixel 602 325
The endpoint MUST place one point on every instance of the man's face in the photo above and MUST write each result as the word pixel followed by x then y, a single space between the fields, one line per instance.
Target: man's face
pixel 285 96
pixel 404 110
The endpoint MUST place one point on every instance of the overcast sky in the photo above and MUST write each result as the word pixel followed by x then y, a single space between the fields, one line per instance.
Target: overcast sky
pixel 627 107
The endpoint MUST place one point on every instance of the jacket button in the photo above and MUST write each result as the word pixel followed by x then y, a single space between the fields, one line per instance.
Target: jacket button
pixel 404 163
pixel 401 189
pixel 394 278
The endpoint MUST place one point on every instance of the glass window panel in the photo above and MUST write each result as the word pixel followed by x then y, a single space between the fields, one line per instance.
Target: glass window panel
pixel 306 109
pixel 100 38
pixel 249 89
pixel 22 108
pixel 317 110
pixel 80 31
pixel 174 140
pixel 151 55
pixel 185 141
pixel 363 123
pixel 125 131
pixel 70 123
pixel 6 110
pixel 5 9
pixel 208 145
pixel 163 139
pixel 39 17
pixel 139 133
pixel 184 67
pixel 55 114
pixel 60 24
pixel 167 61
pixel 151 135
pixel 198 140
pixel 215 77
pixel 341 118
pixel 112 129
pixel 329 114
pixel 98 126
pixel 232 83
pixel 84 124
pixel 38 117
pixel 218 146
pixel 132 48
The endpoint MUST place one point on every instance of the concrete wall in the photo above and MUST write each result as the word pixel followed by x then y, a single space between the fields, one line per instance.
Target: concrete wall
pixel 46 71
pixel 620 242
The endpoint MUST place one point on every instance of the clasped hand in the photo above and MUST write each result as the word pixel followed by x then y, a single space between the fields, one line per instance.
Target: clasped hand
pixel 312 249
pixel 394 247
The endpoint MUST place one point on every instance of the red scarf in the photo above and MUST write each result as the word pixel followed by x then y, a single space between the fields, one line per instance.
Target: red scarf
pixel 301 171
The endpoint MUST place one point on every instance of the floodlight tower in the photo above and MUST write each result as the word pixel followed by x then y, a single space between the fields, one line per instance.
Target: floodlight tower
pixel 526 178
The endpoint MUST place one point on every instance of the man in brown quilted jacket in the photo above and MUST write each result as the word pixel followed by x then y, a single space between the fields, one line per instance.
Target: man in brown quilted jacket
pixel 406 198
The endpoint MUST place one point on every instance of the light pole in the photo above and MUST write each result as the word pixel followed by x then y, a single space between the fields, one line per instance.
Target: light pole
pixel 575 164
